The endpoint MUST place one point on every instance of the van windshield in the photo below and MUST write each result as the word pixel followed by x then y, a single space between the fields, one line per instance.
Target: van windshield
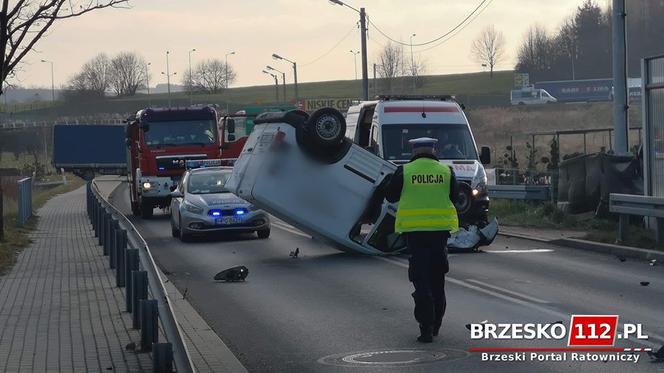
pixel 454 140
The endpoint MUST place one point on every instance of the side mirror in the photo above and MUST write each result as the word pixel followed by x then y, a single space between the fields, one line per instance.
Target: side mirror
pixel 231 137
pixel 230 126
pixel 485 155
pixel 176 194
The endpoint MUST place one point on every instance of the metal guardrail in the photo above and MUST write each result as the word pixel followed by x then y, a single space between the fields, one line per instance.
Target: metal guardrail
pixel 24 201
pixel 630 204
pixel 136 269
pixel 521 192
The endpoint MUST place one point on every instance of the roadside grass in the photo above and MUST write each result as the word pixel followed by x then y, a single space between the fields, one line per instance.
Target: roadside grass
pixel 16 237
pixel 548 216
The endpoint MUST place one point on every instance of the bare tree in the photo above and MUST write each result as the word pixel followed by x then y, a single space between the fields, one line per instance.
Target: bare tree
pixel 567 37
pixel 127 73
pixel 391 67
pixel 25 22
pixel 489 47
pixel 94 78
pixel 211 76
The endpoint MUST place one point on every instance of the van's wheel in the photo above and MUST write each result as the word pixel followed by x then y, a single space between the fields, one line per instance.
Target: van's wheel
pixel 326 128
pixel 146 210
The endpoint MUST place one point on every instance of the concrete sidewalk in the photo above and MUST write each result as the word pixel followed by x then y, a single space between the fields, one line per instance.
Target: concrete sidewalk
pixel 59 308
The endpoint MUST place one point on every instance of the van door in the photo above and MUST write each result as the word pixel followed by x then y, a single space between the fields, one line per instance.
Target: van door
pixel 364 126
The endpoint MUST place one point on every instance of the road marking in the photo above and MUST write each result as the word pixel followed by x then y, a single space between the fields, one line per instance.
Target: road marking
pixel 520 295
pixel 519 251
pixel 294 231
pixel 538 307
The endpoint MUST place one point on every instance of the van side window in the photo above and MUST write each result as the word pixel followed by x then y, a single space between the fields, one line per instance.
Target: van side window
pixel 364 127
pixel 374 140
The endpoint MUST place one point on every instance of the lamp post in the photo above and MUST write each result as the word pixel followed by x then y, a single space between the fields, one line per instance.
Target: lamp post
pixel 276 82
pixel 168 78
pixel 283 80
pixel 226 75
pixel 363 42
pixel 191 80
pixel 52 81
pixel 147 81
pixel 412 62
pixel 278 57
pixel 355 53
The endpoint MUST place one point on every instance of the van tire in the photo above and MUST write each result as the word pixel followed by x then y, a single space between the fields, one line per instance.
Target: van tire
pixel 326 128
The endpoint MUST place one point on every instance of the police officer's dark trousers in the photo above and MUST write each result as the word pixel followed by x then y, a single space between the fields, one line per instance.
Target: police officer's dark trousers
pixel 427 268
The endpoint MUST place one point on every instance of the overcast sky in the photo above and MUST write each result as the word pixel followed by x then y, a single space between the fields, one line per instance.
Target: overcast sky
pixel 301 30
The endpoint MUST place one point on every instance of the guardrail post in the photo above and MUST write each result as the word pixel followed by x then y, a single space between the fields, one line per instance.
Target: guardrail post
pixel 149 327
pixel 623 227
pixel 659 231
pixel 96 217
pixel 107 231
pixel 139 290
pixel 93 215
pixel 131 265
pixel 115 228
pixel 102 221
pixel 120 257
pixel 162 358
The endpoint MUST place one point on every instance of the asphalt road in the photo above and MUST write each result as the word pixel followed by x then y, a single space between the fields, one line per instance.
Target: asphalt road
pixel 307 314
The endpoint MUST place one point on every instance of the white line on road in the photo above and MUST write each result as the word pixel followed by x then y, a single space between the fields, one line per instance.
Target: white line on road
pixel 519 251
pixel 558 314
pixel 520 295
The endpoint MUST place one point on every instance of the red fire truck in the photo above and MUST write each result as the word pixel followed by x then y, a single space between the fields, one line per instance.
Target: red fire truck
pixel 159 142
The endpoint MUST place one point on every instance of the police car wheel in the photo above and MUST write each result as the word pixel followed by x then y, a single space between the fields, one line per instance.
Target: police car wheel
pixel 326 127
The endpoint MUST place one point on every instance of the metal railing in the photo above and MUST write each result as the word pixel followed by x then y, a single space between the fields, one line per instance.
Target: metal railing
pixel 137 271
pixel 521 192
pixel 629 204
pixel 24 200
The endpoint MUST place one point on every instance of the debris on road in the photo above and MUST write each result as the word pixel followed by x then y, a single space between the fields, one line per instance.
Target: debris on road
pixel 657 356
pixel 645 283
pixel 294 254
pixel 622 258
pixel 234 274
pixel 653 262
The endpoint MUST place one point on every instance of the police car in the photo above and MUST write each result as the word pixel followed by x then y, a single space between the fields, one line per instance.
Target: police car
pixel 202 204
pixel 303 170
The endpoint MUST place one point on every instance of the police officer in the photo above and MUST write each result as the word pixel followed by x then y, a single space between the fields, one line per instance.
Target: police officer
pixel 426 216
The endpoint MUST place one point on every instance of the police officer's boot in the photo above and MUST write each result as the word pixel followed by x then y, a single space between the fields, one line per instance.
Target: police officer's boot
pixel 426 334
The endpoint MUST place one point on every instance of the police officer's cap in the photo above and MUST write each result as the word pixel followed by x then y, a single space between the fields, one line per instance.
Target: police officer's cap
pixel 423 142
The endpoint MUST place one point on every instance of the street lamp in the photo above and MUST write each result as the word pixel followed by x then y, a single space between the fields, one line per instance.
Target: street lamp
pixel 52 81
pixel 412 62
pixel 278 57
pixel 355 60
pixel 168 77
pixel 147 81
pixel 276 82
pixel 363 42
pixel 191 80
pixel 283 79
pixel 226 75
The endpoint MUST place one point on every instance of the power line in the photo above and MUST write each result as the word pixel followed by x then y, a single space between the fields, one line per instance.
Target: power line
pixel 459 30
pixel 433 40
pixel 331 49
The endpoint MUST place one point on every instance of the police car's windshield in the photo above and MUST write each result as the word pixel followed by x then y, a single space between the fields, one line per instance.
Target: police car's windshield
pixel 454 140
pixel 208 182
pixel 197 132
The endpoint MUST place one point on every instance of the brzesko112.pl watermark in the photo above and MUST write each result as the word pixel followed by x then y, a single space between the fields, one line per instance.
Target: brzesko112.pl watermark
pixel 590 338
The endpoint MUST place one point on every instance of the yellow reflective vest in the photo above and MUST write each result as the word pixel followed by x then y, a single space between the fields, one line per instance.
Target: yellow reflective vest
pixel 425 203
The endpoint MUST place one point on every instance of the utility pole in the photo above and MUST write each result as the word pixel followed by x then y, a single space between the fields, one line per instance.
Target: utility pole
pixel 365 72
pixel 147 82
pixel 191 80
pixel 278 57
pixel 620 97
pixel 374 79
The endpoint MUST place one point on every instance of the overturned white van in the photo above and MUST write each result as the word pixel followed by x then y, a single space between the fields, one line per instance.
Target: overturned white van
pixel 304 171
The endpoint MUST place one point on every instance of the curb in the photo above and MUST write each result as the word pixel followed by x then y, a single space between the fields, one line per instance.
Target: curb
pixel 599 247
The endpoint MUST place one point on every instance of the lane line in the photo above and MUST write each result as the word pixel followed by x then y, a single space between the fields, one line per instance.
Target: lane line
pixel 527 251
pixel 521 295
pixel 557 314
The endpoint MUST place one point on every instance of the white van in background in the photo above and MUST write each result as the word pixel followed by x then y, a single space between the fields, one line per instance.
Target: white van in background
pixel 384 127
pixel 530 96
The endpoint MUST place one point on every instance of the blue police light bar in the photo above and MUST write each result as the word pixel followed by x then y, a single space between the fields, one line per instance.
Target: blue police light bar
pixel 202 163
pixel 215 213
pixel 239 212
